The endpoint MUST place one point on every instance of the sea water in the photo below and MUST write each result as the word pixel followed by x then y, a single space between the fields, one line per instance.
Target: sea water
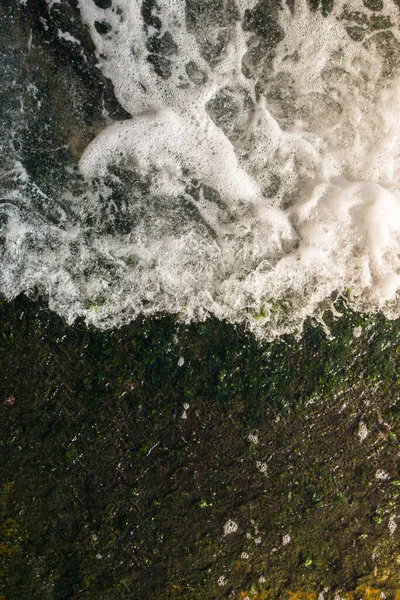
pixel 259 169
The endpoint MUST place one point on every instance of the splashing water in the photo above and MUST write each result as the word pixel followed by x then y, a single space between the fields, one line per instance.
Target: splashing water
pixel 259 168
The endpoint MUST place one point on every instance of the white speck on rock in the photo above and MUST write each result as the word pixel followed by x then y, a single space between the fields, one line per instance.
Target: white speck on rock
pixel 362 431
pixel 262 467
pixel 64 35
pixel 230 527
pixel 392 525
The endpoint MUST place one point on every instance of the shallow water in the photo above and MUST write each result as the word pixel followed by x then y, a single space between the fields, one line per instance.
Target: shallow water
pixel 245 169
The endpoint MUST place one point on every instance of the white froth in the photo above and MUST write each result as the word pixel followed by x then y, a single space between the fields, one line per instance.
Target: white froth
pixel 65 35
pixel 309 187
pixel 168 143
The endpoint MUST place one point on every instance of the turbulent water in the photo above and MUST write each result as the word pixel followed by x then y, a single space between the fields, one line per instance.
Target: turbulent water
pixel 257 177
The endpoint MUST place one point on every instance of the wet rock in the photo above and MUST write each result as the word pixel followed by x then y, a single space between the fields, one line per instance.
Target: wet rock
pixel 94 428
pixel 262 21
pixel 356 16
pixel 149 8
pixel 195 74
pixel 380 22
pixel 164 45
pixel 356 33
pixel 102 27
pixel 388 47
pixel 373 4
pixel 232 110
pixel 210 13
pixel 162 66
pixel 103 3
pixel 211 22
pixel 325 6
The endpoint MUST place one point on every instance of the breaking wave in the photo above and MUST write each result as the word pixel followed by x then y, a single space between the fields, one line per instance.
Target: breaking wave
pixel 256 178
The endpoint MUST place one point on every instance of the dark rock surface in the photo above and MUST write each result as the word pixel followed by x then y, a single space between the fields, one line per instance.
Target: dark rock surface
pixel 129 456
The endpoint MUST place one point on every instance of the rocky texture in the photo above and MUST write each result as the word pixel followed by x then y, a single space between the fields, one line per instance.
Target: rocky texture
pixel 160 461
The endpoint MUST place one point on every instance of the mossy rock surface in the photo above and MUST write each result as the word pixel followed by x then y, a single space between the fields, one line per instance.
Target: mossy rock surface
pixel 123 463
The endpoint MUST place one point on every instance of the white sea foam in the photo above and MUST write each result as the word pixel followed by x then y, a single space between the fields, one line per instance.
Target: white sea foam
pixel 306 170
